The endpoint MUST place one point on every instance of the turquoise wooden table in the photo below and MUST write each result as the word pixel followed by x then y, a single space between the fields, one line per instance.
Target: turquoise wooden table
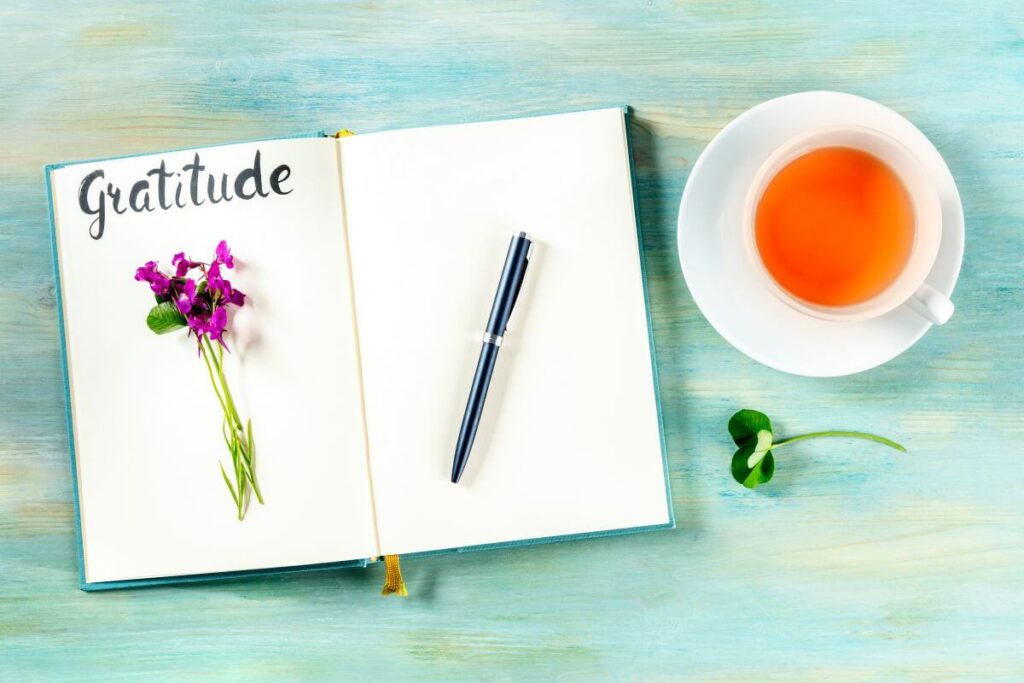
pixel 855 563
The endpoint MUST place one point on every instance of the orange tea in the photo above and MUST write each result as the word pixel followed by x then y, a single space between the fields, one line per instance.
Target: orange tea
pixel 835 226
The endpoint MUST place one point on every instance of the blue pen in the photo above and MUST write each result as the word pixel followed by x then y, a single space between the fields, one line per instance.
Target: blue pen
pixel 516 261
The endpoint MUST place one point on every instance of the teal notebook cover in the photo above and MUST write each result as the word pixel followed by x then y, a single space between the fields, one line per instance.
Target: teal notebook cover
pixel 229 575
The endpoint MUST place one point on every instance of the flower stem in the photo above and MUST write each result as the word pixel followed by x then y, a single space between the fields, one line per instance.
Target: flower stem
pixel 244 442
pixel 836 432
pixel 209 369
pixel 239 444
pixel 231 412
pixel 238 491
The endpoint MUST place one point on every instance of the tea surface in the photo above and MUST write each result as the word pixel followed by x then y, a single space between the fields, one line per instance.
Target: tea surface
pixel 835 226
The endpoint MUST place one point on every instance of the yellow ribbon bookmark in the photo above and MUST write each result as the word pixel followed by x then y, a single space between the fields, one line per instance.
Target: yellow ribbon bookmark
pixel 393 583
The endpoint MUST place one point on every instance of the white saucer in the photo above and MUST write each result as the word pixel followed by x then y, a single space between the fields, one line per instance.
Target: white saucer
pixel 715 264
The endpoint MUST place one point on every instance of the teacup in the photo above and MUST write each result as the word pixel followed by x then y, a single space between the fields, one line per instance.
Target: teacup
pixel 908 287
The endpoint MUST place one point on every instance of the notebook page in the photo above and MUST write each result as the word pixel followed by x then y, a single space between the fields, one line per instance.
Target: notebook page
pixel 569 442
pixel 147 424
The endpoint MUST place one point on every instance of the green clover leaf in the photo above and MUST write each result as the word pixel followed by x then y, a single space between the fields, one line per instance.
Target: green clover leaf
pixel 753 463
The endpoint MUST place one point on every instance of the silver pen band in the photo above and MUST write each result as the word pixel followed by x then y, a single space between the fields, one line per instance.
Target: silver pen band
pixel 492 339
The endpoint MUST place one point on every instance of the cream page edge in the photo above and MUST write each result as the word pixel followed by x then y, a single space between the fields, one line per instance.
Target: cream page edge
pixel 358 342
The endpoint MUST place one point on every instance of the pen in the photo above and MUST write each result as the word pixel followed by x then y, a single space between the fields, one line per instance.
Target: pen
pixel 518 258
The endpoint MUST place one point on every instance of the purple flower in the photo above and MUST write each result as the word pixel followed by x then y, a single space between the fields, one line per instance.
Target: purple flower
pixel 197 324
pixel 186 296
pixel 183 264
pixel 213 276
pixel 216 284
pixel 203 300
pixel 215 327
pixel 158 282
pixel 223 254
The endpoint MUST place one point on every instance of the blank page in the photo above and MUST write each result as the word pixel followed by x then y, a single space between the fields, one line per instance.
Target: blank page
pixel 570 439
pixel 147 424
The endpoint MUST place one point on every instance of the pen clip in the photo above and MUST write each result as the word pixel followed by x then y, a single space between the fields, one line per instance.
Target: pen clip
pixel 526 273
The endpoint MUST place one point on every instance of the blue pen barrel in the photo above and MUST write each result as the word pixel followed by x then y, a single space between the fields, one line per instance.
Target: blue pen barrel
pixel 509 285
pixel 474 408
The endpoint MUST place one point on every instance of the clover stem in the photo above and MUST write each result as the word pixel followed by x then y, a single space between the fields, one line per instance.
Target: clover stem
pixel 836 432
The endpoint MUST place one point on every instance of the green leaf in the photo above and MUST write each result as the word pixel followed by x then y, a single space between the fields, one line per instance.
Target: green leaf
pixel 745 424
pixel 165 317
pixel 251 463
pixel 224 432
pixel 227 481
pixel 753 463
pixel 753 474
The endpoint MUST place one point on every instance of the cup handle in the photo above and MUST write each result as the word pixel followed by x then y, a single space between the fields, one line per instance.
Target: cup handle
pixel 931 304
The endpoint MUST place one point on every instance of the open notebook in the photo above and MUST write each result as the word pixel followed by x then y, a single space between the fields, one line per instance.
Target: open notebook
pixel 370 267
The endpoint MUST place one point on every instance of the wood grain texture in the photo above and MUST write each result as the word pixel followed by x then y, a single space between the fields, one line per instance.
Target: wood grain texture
pixel 855 563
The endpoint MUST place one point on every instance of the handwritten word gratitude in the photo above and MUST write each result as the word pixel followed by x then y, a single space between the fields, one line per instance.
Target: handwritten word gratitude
pixel 162 189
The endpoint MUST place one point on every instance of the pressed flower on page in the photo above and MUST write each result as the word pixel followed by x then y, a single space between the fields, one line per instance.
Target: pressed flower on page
pixel 197 297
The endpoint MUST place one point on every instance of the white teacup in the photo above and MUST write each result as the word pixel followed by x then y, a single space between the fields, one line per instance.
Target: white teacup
pixel 909 288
